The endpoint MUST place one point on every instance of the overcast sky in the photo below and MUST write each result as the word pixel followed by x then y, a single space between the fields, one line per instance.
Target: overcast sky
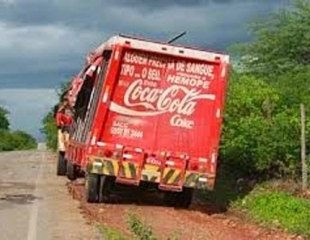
pixel 43 42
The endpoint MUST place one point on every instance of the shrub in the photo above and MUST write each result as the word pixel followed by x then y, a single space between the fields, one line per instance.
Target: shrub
pixel 278 209
pixel 17 140
pixel 50 130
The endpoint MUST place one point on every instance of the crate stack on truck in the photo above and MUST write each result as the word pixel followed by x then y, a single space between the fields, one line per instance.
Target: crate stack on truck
pixel 146 113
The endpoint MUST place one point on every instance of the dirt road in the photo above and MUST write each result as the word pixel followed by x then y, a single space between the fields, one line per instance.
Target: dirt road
pixel 200 222
pixel 34 203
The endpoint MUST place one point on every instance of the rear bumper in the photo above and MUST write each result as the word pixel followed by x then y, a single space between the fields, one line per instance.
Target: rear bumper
pixel 168 179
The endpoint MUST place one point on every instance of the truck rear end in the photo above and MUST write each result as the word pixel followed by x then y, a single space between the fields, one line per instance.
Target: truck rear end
pixel 158 120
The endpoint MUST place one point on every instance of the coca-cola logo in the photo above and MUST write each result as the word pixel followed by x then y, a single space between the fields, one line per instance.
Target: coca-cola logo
pixel 154 101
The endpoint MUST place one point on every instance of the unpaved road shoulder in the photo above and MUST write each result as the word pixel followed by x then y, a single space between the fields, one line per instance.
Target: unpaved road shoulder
pixel 34 203
pixel 199 222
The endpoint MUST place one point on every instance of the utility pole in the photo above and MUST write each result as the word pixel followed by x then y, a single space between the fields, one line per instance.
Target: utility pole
pixel 304 167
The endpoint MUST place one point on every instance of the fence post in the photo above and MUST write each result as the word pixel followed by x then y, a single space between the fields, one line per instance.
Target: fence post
pixel 303 148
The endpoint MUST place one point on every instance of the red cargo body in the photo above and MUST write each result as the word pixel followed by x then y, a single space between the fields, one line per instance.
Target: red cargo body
pixel 151 112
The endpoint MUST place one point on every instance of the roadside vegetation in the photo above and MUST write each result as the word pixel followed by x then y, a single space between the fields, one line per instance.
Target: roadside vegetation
pixel 50 131
pixel 13 140
pixel 112 233
pixel 261 134
pixel 277 208
pixel 139 230
pixel 262 124
pixel 273 203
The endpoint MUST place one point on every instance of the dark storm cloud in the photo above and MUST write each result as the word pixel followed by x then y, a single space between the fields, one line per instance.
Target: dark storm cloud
pixel 95 13
pixel 43 42
pixel 53 35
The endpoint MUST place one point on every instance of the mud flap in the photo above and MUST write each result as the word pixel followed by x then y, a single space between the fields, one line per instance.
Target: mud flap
pixel 172 176
pixel 130 166
pixel 171 179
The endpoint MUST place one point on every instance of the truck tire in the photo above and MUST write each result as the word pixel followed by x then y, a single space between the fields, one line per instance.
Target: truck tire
pixel 184 198
pixel 61 164
pixel 170 198
pixel 92 186
pixel 106 184
pixel 71 171
pixel 179 199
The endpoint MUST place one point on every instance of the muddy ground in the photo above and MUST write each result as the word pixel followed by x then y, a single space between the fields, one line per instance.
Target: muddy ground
pixel 201 221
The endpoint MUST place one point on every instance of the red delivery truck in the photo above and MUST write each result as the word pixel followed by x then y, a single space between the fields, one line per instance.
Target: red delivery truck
pixel 146 112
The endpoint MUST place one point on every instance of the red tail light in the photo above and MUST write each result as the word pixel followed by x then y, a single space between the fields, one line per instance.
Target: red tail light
pixel 198 164
pixel 108 153
pixel 193 165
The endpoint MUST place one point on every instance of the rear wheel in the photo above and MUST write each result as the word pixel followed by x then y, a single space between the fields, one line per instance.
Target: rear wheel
pixel 179 199
pixel 92 186
pixel 185 198
pixel 71 171
pixel 170 198
pixel 61 164
pixel 106 184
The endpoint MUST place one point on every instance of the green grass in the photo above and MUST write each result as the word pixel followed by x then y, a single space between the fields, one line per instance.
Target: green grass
pixel 277 208
pixel 112 233
pixel 141 230
pixel 266 204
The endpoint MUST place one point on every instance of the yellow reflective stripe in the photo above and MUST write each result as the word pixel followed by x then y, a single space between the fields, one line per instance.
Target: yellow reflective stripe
pixel 174 177
pixel 126 170
pixel 129 170
pixel 115 167
pixel 168 172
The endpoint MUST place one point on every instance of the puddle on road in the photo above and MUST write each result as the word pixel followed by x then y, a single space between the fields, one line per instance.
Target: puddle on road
pixel 19 198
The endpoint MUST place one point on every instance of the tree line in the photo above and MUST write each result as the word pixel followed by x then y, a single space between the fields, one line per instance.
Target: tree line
pixel 13 140
pixel 261 134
